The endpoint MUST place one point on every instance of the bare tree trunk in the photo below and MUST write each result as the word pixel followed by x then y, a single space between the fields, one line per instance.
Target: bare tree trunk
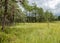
pixel 4 16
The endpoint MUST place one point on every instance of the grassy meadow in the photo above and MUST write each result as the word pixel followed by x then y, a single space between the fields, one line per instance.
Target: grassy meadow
pixel 31 33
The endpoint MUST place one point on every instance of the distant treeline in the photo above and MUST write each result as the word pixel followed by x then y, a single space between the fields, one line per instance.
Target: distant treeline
pixel 31 13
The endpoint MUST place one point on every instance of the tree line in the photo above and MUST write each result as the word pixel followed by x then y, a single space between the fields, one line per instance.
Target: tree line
pixel 36 14
pixel 10 12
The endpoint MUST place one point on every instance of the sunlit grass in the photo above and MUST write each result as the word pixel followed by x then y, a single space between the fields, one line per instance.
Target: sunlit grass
pixel 33 33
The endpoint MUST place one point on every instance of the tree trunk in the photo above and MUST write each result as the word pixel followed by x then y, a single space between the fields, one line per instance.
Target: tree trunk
pixel 1 7
pixel 5 14
pixel 12 14
pixel 0 3
pixel 35 17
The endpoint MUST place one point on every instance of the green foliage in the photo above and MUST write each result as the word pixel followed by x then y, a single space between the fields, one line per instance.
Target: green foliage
pixel 37 14
pixel 49 16
pixel 19 17
pixel 58 17
pixel 13 9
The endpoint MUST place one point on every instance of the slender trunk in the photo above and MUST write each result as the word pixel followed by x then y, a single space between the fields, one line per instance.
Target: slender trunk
pixel 29 17
pixel 0 3
pixel 35 14
pixel 12 14
pixel 1 7
pixel 35 17
pixel 48 23
pixel 4 16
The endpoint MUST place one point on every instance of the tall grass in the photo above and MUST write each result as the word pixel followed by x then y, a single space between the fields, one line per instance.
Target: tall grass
pixel 31 33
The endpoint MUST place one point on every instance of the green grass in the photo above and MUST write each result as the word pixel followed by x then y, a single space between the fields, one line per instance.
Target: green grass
pixel 31 33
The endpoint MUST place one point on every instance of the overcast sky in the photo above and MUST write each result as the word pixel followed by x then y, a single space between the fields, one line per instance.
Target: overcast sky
pixel 53 5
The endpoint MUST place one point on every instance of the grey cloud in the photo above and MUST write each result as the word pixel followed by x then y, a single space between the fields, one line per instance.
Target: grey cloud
pixel 57 6
pixel 57 9
pixel 40 3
